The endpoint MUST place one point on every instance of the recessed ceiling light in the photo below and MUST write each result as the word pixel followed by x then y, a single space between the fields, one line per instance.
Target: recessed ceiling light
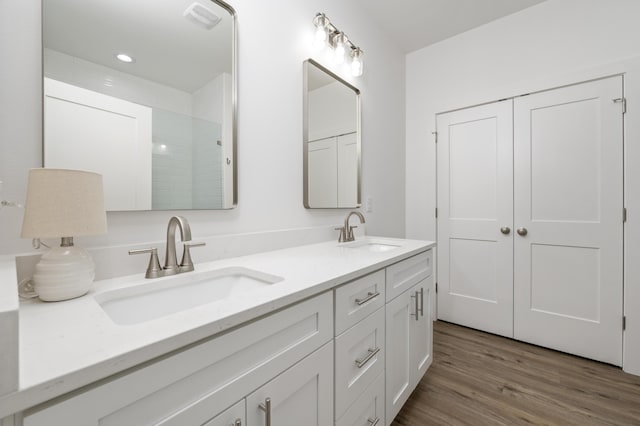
pixel 123 57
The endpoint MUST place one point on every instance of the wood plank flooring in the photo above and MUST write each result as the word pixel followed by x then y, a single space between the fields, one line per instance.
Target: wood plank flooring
pixel 482 379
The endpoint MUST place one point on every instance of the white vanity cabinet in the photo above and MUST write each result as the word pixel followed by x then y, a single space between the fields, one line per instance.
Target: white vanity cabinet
pixel 197 384
pixel 349 356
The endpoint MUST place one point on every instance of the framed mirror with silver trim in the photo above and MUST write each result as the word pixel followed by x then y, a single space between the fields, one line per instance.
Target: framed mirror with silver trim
pixel 144 93
pixel 331 140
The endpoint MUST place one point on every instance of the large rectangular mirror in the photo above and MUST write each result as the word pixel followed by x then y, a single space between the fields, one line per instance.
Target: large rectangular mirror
pixel 331 152
pixel 143 92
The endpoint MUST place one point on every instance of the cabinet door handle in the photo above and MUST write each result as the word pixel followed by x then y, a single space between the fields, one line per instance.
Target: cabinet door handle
pixel 372 352
pixel 417 314
pixel 370 296
pixel 421 301
pixel 522 231
pixel 238 422
pixel 374 422
pixel 505 230
pixel 266 407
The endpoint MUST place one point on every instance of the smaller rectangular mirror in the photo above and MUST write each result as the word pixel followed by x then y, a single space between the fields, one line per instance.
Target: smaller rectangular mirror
pixel 331 138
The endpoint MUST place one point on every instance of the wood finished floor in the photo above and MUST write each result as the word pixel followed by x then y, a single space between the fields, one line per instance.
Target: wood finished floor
pixel 482 379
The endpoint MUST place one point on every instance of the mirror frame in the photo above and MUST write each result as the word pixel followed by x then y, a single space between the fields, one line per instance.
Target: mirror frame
pixel 305 133
pixel 234 102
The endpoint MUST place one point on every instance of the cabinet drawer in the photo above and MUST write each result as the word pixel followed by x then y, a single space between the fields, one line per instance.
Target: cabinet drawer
pixel 198 383
pixel 407 273
pixel 360 356
pixel 359 298
pixel 368 408
pixel 233 416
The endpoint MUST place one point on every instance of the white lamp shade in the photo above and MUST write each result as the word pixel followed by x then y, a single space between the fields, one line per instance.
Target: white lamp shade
pixel 64 203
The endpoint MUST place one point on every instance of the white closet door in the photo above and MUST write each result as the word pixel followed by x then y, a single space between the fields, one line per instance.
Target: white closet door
pixel 568 196
pixel 475 200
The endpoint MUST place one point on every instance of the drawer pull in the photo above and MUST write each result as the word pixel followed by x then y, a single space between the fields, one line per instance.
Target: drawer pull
pixel 372 353
pixel 370 296
pixel 266 407
pixel 374 422
pixel 422 301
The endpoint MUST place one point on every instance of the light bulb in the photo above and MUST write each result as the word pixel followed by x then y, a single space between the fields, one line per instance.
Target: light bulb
pixel 320 38
pixel 339 49
pixel 321 22
pixel 356 63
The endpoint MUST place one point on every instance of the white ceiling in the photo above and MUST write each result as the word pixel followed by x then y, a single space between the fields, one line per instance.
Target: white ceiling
pixel 168 48
pixel 414 24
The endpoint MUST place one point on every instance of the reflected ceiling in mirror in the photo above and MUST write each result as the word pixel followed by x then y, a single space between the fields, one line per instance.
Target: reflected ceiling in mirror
pixel 331 140
pixel 143 92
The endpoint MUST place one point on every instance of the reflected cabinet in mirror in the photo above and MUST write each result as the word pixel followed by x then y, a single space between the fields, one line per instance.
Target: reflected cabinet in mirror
pixel 331 140
pixel 144 93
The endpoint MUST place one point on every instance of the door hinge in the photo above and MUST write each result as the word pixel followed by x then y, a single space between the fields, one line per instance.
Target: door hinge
pixel 624 323
pixel 436 288
pixel 624 215
pixel 436 212
pixel 622 101
pixel 435 136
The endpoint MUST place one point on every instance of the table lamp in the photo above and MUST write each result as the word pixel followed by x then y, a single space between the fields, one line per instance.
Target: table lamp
pixel 64 204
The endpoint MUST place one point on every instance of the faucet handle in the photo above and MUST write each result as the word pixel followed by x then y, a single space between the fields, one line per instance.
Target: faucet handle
pixel 350 236
pixel 153 270
pixel 186 264
pixel 343 234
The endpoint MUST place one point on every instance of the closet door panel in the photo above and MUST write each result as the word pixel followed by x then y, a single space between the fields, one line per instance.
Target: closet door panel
pixel 475 201
pixel 568 154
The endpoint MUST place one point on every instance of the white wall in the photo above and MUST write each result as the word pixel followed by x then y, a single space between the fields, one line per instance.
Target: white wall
pixel 269 124
pixel 551 44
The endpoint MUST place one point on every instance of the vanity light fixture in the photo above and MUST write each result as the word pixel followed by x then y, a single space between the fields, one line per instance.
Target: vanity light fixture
pixel 343 48
pixel 63 204
pixel 123 57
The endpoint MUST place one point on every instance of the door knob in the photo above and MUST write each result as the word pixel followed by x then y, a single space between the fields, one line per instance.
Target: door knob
pixel 505 230
pixel 522 231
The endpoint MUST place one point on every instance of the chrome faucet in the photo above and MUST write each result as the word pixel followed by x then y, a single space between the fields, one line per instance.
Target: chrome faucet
pixel 346 232
pixel 171 266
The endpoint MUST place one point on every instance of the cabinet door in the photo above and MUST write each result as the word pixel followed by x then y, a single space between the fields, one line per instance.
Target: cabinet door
pixel 421 331
pixel 322 174
pixel 302 395
pixel 399 314
pixel 348 167
pixel 233 416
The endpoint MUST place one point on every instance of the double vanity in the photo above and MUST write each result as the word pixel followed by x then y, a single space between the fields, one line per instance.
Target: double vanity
pixel 321 334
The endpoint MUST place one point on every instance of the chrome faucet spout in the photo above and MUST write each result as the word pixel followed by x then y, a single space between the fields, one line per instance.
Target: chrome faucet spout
pixel 171 260
pixel 346 232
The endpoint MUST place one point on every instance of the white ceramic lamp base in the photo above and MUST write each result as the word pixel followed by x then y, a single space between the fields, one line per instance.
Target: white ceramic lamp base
pixel 63 273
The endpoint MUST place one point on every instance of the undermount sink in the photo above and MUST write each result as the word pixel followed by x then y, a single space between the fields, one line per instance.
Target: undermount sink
pixel 373 245
pixel 155 299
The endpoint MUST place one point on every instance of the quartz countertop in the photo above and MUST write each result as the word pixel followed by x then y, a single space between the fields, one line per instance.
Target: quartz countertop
pixel 70 344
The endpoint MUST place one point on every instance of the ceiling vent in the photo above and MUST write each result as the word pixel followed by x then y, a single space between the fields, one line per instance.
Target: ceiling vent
pixel 201 16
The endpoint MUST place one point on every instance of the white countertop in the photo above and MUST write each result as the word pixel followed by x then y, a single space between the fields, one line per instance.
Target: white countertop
pixel 70 344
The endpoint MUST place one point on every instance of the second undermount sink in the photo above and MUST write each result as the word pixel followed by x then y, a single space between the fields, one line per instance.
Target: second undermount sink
pixel 375 245
pixel 155 299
